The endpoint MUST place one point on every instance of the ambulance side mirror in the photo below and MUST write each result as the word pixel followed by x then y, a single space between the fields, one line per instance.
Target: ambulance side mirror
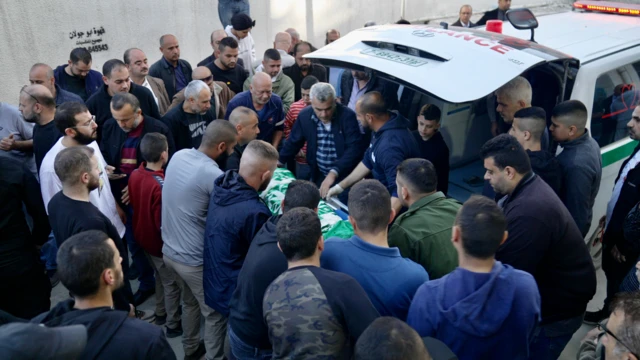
pixel 523 19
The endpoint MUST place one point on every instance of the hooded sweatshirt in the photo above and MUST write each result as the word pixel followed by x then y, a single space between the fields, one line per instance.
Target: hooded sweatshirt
pixel 479 315
pixel 390 145
pixel 111 334
pixel 236 213
pixel 545 165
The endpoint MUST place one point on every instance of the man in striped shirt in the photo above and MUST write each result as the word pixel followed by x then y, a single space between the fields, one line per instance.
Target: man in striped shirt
pixel 334 142
pixel 300 168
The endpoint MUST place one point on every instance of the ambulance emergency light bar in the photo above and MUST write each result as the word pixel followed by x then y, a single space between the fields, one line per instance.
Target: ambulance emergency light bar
pixel 608 7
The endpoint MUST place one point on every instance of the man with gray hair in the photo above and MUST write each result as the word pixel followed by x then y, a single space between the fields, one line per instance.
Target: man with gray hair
pixel 42 74
pixel 261 99
pixel 188 121
pixel 465 17
pixel 334 142
pixel 295 38
pixel 188 185
pixel 511 97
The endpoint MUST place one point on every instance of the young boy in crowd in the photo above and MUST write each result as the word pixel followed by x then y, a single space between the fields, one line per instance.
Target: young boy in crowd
pixel 145 194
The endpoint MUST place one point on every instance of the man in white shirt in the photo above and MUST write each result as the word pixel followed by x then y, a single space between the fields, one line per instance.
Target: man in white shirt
pixel 240 29
pixel 79 128
pixel 465 17
pixel 136 61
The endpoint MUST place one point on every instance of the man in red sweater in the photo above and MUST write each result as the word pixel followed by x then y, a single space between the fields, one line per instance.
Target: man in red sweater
pixel 145 194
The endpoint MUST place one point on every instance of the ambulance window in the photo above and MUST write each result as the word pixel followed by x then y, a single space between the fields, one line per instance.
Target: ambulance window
pixel 613 103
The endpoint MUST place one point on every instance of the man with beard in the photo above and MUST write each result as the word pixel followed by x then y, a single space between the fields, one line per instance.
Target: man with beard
pixel 304 67
pixel 226 67
pixel 281 84
pixel 188 121
pixel 357 83
pixel 120 147
pixel 235 215
pixel 77 77
pixel 90 267
pixel 136 62
pixel 220 92
pixel 261 99
pixel 38 106
pixel 188 185
pixel 71 211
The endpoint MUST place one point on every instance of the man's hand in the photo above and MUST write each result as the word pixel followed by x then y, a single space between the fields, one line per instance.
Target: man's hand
pixel 326 184
pixel 8 143
pixel 617 255
pixel 334 191
pixel 301 154
pixel 110 173
pixel 125 195
pixel 132 311
pixel 638 270
pixel 592 335
pixel 121 213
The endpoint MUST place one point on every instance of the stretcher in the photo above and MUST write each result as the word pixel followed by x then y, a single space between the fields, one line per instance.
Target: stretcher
pixel 332 215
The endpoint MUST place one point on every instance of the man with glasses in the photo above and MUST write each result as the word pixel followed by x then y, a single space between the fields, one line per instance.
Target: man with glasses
pixel 77 76
pixel 116 80
pixel 261 99
pixel 221 94
pixel 619 337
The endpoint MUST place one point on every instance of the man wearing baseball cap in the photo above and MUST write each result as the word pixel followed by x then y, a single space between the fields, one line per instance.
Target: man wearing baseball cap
pixel 240 29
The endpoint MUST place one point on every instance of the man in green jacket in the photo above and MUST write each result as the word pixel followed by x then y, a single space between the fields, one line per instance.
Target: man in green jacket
pixel 282 84
pixel 423 233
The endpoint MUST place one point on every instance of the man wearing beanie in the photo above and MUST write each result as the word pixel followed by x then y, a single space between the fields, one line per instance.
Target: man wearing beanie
pixel 240 29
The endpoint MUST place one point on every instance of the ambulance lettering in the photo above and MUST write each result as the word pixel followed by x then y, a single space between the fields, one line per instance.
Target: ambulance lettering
pixel 491 42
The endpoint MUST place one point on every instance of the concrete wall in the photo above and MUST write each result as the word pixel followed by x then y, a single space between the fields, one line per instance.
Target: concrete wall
pixel 43 30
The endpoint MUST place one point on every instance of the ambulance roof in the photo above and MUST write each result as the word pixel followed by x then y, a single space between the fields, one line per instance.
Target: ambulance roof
pixel 456 65
pixel 583 35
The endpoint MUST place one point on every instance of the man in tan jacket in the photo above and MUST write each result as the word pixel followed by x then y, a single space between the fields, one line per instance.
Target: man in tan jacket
pixel 221 94
pixel 136 61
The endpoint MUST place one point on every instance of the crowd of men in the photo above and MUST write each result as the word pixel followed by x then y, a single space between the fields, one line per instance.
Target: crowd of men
pixel 155 173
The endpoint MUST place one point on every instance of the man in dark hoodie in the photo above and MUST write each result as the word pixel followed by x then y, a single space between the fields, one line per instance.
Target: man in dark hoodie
pixel 543 241
pixel 483 309
pixel 528 126
pixel 77 76
pixel 580 161
pixel 89 266
pixel 391 144
pixel 263 264
pixel 116 79
pixel 235 215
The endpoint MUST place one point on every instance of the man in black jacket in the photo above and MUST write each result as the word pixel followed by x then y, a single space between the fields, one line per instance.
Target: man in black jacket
pixel 246 122
pixel 528 126
pixel 618 257
pixel 89 266
pixel 334 143
pixel 496 14
pixel 24 286
pixel 354 84
pixel 263 264
pixel 304 67
pixel 120 147
pixel 116 80
pixel 543 241
pixel 175 72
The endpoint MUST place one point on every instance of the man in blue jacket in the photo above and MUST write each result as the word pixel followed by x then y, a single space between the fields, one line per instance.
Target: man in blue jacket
pixel 484 309
pixel 266 104
pixel 77 77
pixel 334 142
pixel 391 144
pixel 235 215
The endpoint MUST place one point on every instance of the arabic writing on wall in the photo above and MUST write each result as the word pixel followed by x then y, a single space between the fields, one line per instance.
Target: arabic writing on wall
pixel 91 39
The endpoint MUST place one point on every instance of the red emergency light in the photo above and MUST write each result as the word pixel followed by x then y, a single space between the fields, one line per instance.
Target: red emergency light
pixel 608 7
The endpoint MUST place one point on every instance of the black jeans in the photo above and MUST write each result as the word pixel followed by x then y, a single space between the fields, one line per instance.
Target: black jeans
pixel 26 295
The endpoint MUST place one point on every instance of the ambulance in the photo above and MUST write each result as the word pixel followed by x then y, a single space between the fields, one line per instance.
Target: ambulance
pixel 591 54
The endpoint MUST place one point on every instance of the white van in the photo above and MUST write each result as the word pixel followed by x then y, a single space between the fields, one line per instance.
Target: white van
pixel 593 57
